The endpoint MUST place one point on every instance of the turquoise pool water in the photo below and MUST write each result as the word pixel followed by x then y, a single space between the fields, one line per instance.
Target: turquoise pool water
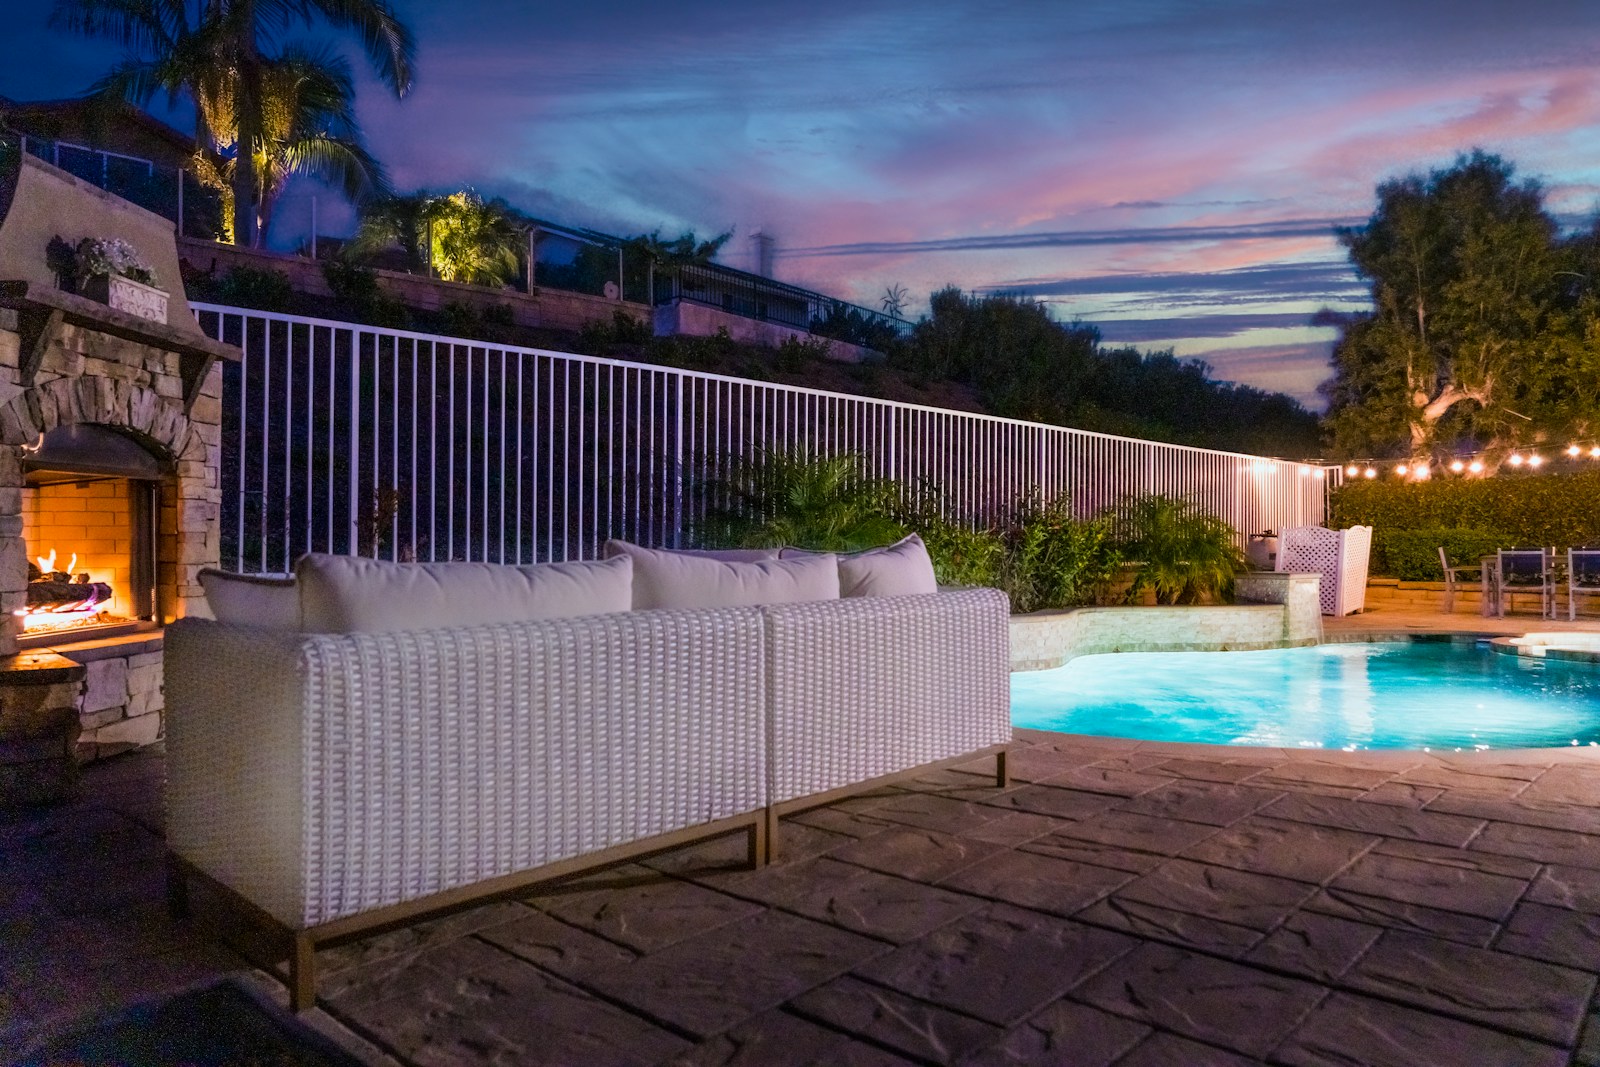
pixel 1439 695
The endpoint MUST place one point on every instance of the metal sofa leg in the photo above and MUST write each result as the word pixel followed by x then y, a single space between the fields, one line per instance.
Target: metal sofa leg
pixel 302 972
pixel 769 818
pixel 758 840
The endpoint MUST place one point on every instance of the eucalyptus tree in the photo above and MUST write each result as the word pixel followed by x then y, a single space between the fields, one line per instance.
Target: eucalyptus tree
pixel 1472 314
pixel 222 55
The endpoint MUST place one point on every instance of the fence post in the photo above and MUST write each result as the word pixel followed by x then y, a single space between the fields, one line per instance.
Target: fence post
pixel 677 467
pixel 180 202
pixel 355 443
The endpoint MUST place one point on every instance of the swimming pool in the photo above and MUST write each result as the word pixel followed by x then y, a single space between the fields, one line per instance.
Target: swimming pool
pixel 1393 694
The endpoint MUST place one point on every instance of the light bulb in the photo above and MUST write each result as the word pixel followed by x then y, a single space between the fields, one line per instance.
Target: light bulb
pixel 1535 460
pixel 1370 472
pixel 1574 450
pixel 1476 466
pixel 1321 473
pixel 1401 468
pixel 1516 459
pixel 1594 453
pixel 1458 466
pixel 1420 470
pixel 1352 470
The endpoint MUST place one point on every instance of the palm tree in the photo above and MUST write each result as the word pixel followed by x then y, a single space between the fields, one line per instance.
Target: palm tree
pixel 460 236
pixel 309 128
pixel 214 51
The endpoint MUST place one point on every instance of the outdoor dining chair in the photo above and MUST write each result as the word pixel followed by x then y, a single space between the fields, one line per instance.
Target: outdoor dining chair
pixel 1452 575
pixel 1583 576
pixel 1523 570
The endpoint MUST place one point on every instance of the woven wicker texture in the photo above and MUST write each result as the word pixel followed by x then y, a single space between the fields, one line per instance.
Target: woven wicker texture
pixel 436 759
pixel 235 758
pixel 873 686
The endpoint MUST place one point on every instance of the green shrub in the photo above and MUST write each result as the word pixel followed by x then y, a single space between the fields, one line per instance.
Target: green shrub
pixel 1053 560
pixel 357 288
pixel 827 504
pixel 247 287
pixel 1413 555
pixel 1185 555
pixel 963 556
pixel 795 355
pixel 1524 509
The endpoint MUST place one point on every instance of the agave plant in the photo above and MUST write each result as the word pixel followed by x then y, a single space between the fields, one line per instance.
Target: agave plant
pixel 828 504
pixel 1185 555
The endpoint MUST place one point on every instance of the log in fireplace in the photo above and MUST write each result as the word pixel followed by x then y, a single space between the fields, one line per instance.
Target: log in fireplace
pixel 91 502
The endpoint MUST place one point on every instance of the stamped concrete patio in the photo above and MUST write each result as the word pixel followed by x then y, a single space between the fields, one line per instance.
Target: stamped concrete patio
pixel 1124 902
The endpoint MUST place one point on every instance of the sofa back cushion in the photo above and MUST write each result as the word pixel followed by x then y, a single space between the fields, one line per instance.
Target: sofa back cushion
pixel 269 603
pixel 352 594
pixel 664 579
pixel 901 569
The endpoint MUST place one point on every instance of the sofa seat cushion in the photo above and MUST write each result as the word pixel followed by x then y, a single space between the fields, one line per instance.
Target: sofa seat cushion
pixel 352 594
pixel 901 569
pixel 665 579
pixel 264 601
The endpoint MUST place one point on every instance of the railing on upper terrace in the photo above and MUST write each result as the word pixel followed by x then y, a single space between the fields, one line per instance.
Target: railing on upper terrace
pixel 756 297
pixel 171 192
pixel 346 438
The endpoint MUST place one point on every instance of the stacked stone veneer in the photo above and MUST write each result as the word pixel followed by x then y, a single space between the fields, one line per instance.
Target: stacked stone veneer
pixel 1277 611
pixel 87 377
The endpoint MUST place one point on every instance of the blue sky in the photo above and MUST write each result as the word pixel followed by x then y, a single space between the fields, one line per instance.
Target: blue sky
pixel 1168 171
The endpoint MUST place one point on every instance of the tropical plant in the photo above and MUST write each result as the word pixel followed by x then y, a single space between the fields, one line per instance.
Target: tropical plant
pixel 460 235
pixel 218 54
pixel 828 504
pixel 1054 560
pixel 1183 554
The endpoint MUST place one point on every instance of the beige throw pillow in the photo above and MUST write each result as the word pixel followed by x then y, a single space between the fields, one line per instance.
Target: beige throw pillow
pixel 352 594
pixel 901 569
pixel 269 603
pixel 663 579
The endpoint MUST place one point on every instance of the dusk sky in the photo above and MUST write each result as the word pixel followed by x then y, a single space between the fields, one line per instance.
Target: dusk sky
pixel 1170 172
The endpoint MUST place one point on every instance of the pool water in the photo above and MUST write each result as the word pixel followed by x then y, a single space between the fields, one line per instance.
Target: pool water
pixel 1420 695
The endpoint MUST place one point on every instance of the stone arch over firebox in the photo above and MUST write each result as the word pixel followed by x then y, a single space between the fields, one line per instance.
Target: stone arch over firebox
pixel 188 447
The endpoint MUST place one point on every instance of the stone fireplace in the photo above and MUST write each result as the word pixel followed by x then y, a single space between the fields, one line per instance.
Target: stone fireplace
pixel 110 444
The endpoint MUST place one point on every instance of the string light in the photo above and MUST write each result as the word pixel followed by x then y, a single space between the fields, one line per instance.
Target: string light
pixel 1574 451
pixel 1476 466
pixel 1535 460
pixel 1420 470
pixel 1516 459
pixel 1400 469
pixel 1352 470
pixel 1457 466
pixel 1484 462
pixel 1370 472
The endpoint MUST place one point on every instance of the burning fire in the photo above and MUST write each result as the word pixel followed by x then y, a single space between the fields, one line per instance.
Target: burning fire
pixel 47 564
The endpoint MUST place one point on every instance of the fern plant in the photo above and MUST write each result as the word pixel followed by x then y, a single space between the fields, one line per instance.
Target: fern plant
pixel 827 504
pixel 1185 555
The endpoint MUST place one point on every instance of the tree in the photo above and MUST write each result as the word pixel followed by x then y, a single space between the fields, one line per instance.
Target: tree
pixel 460 235
pixel 217 52
pixel 1469 303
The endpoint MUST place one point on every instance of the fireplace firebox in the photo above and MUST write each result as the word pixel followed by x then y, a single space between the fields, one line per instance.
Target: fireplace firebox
pixel 91 503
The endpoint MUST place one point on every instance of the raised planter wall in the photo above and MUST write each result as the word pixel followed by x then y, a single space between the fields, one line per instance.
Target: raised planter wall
pixel 697 320
pixel 1275 611
pixel 550 309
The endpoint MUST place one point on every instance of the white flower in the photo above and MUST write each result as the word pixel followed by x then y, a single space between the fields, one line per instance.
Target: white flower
pixel 113 256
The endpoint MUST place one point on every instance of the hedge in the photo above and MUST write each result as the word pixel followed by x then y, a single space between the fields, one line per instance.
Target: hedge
pixel 1469 516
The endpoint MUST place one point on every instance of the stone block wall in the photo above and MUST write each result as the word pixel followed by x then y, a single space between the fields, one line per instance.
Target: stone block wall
pixel 1285 614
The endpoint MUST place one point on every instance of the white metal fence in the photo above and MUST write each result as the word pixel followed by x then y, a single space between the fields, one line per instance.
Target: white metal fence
pixel 347 438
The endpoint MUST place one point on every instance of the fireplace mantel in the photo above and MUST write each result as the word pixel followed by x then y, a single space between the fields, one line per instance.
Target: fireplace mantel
pixel 42 310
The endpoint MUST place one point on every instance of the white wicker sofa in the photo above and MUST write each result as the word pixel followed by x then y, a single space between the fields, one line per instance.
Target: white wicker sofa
pixel 333 783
